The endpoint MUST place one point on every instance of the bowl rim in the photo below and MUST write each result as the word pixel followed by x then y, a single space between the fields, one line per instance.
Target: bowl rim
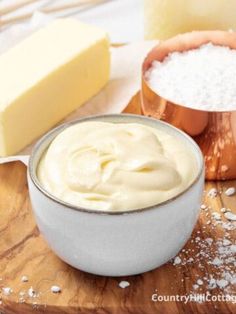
pixel 206 34
pixel 32 166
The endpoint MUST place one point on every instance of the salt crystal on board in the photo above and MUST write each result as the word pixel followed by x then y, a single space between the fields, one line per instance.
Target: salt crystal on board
pixel 7 290
pixel 24 279
pixel 55 289
pixel 226 242
pixel 232 249
pixel 222 283
pixel 212 193
pixel 209 241
pixel 199 282
pixel 228 226
pixel 216 261
pixel 230 216
pixel 31 292
pixel 124 284
pixel 212 283
pixel 216 216
pixel 177 260
pixel 230 191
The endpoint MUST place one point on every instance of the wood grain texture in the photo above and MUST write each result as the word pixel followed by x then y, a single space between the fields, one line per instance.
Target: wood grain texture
pixel 23 251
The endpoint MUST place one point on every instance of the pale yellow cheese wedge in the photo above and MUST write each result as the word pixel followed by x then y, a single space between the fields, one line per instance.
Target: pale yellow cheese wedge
pixel 47 76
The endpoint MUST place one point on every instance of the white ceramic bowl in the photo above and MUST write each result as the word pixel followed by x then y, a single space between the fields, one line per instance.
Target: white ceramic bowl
pixel 116 243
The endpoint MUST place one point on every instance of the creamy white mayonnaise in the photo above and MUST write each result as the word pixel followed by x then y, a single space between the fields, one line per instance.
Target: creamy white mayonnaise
pixel 112 167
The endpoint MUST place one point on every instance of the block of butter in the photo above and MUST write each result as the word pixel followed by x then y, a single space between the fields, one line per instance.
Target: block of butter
pixel 47 76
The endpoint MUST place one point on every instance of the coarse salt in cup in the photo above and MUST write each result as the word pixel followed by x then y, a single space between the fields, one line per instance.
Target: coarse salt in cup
pixel 212 126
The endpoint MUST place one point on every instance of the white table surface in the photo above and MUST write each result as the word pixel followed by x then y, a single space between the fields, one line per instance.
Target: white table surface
pixel 122 19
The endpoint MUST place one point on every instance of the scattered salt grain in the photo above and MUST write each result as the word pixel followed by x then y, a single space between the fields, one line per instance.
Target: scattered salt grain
pixel 203 206
pixel 24 279
pixel 177 260
pixel 55 289
pixel 228 226
pixel 217 261
pixel 6 290
pixel 199 282
pixel 232 249
pixel 196 78
pixel 212 193
pixel 216 216
pixel 230 191
pixel 31 292
pixel 219 253
pixel 222 283
pixel 124 284
pixel 209 241
pixel 230 216
pixel 226 242
pixel 212 283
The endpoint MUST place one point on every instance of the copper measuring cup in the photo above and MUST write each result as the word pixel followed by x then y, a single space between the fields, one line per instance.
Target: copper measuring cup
pixel 214 131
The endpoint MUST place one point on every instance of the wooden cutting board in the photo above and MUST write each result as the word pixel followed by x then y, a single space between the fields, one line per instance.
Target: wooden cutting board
pixel 23 252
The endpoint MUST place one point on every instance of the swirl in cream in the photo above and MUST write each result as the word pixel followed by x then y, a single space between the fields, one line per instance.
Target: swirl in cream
pixel 109 166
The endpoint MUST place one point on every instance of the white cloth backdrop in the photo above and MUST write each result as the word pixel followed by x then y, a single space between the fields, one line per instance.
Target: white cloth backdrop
pixel 123 19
